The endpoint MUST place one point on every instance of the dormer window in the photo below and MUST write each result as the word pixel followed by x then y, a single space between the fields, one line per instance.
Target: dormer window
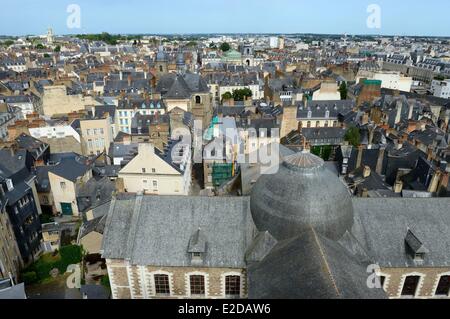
pixel 197 248
pixel 415 248
pixel 309 114
pixel 9 185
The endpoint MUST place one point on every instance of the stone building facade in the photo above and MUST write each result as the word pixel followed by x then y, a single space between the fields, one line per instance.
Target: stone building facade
pixel 430 278
pixel 10 259
pixel 142 282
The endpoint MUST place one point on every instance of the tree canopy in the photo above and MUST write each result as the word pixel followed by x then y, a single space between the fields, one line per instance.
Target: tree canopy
pixel 224 47
pixel 227 96
pixel 8 43
pixel 57 48
pixel 343 90
pixel 242 94
pixel 353 136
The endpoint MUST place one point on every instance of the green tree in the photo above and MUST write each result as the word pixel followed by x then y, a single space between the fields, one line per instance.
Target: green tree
pixel 353 136
pixel 242 94
pixel 57 49
pixel 30 277
pixel 343 90
pixel 39 46
pixel 46 55
pixel 225 47
pixel 212 45
pixel 227 96
pixel 8 43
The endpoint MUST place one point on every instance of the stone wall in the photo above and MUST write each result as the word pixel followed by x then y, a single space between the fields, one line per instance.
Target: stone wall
pixel 136 282
pixel 430 277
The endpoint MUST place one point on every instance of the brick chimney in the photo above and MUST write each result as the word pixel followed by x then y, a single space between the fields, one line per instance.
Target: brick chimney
pixel 129 80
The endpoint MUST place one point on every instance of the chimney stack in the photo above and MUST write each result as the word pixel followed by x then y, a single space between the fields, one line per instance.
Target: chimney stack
pixel 398 187
pixel 435 182
pixel 367 171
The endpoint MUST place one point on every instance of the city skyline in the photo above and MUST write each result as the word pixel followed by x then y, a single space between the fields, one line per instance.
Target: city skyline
pixel 253 17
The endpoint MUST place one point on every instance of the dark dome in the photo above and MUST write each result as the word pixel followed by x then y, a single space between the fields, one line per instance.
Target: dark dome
pixel 180 59
pixel 161 55
pixel 303 194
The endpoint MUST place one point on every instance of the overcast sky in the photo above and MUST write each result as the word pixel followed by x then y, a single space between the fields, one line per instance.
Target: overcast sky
pixel 398 17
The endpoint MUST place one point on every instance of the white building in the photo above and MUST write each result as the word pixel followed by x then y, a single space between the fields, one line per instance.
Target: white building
pixel 55 130
pixel 23 102
pixel 328 92
pixel 273 42
pixel 389 80
pixel 441 88
pixel 155 173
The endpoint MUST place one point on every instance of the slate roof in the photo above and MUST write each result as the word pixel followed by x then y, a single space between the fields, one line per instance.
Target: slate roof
pixel 319 108
pixel 10 165
pixel 32 145
pixel 71 167
pixel 427 218
pixel 178 90
pixel 310 266
pixel 156 230
pixel 180 86
pixel 94 193
pixel 14 292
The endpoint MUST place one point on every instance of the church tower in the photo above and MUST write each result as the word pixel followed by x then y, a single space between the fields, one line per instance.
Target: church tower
pixel 161 62
pixel 50 37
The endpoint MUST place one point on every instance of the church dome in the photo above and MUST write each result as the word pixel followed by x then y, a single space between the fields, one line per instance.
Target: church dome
pixel 180 59
pixel 302 194
pixel 161 55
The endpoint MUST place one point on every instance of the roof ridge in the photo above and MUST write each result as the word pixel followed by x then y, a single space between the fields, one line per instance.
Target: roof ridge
pixel 134 225
pixel 109 219
pixel 327 266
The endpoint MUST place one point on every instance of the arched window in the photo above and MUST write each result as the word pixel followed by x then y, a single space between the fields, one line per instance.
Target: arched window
pixel 248 62
pixel 233 286
pixel 443 287
pixel 198 99
pixel 309 114
pixel 410 286
pixel 308 124
pixel 326 124
pixel 161 68
pixel 162 287
pixel 317 123
pixel 197 285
